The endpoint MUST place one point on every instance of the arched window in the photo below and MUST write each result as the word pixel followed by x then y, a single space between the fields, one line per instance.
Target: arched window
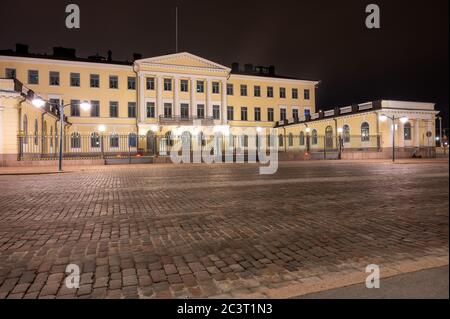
pixel 95 140
pixel 280 140
pixel 407 131
pixel 329 137
pixel 75 140
pixel 25 129
pixel 51 136
pixel 201 139
pixel 36 132
pixel 132 140
pixel 314 137
pixel 291 139
pixel 114 140
pixel 346 133
pixel 365 132
pixel 302 138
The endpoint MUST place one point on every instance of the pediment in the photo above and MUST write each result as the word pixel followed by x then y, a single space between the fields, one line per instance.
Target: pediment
pixel 183 59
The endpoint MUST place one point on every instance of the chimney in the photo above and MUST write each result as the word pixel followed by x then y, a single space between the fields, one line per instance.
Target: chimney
pixel 21 48
pixel 137 56
pixel 235 67
pixel 248 68
pixel 109 58
pixel 61 52
pixel 272 70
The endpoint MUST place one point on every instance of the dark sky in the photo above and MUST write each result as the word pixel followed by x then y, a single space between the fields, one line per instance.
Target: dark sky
pixel 326 40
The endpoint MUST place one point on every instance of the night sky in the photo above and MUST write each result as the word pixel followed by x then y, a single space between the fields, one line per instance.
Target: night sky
pixel 407 59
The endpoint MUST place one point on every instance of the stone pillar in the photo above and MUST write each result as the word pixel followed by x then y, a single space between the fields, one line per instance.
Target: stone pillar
pixel 141 99
pixel 193 95
pixel 176 89
pixel 224 102
pixel 159 101
pixel 208 98
pixel 417 133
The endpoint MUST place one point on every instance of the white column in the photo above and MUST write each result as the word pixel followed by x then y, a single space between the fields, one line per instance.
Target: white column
pixel 176 102
pixel 208 98
pixel 224 102
pixel 417 132
pixel 141 105
pixel 193 95
pixel 401 135
pixel 159 90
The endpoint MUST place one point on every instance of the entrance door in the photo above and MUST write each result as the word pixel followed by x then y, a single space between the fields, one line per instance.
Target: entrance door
pixel 151 142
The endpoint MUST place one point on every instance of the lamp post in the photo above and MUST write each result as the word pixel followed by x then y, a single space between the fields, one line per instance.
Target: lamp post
pixel 403 119
pixel 440 130
pixel 39 102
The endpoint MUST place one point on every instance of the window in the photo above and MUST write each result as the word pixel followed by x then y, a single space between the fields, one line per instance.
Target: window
pixel 282 93
pixel 407 131
pixel 33 77
pixel 150 109
pixel 184 110
pixel 95 108
pixel 54 78
pixel 74 108
pixel 95 140
pixel 95 81
pixel 295 114
pixel 200 86
pixel 314 137
pixel 75 79
pixel 243 113
pixel 131 83
pixel 306 94
pixel 132 140
pixel 329 137
pixel 257 91
pixel 257 114
pixel 302 139
pixel 346 133
pixel 291 139
pixel 184 85
pixel 215 88
pixel 230 113
pixel 230 89
pixel 75 140
pixel 245 141
pixel 280 140
pixel 243 90
pixel 216 112
pixel 167 84
pixel 365 132
pixel 269 91
pixel 114 109
pixel 200 111
pixel 113 82
pixel 132 109
pixel 282 114
pixel 150 83
pixel 10 73
pixel 307 113
pixel 167 110
pixel 114 141
pixel 295 93
pixel 270 114
pixel 36 132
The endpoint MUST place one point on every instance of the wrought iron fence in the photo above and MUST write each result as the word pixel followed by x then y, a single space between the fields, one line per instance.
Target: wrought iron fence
pixel 76 146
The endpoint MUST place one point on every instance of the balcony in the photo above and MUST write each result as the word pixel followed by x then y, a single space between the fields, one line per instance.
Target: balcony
pixel 186 121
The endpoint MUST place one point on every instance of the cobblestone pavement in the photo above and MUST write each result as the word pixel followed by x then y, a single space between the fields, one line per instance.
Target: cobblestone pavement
pixel 163 231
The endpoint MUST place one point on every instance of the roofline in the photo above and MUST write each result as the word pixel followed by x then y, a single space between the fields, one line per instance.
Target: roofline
pixel 274 79
pixel 65 61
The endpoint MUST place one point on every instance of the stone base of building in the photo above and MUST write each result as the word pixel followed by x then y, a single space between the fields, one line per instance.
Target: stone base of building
pixel 11 161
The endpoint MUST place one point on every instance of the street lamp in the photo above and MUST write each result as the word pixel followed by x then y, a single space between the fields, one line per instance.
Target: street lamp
pixel 403 119
pixel 39 102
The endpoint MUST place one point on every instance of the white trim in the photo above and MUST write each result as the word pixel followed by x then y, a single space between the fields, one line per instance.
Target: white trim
pixel 66 63
pixel 272 79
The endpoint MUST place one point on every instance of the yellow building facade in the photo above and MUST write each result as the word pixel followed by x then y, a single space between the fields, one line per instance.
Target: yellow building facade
pixel 139 107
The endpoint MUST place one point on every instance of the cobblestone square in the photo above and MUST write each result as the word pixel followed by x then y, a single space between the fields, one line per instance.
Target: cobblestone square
pixel 222 231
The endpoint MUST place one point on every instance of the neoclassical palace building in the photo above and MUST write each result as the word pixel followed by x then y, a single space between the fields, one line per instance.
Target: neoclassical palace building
pixel 138 108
